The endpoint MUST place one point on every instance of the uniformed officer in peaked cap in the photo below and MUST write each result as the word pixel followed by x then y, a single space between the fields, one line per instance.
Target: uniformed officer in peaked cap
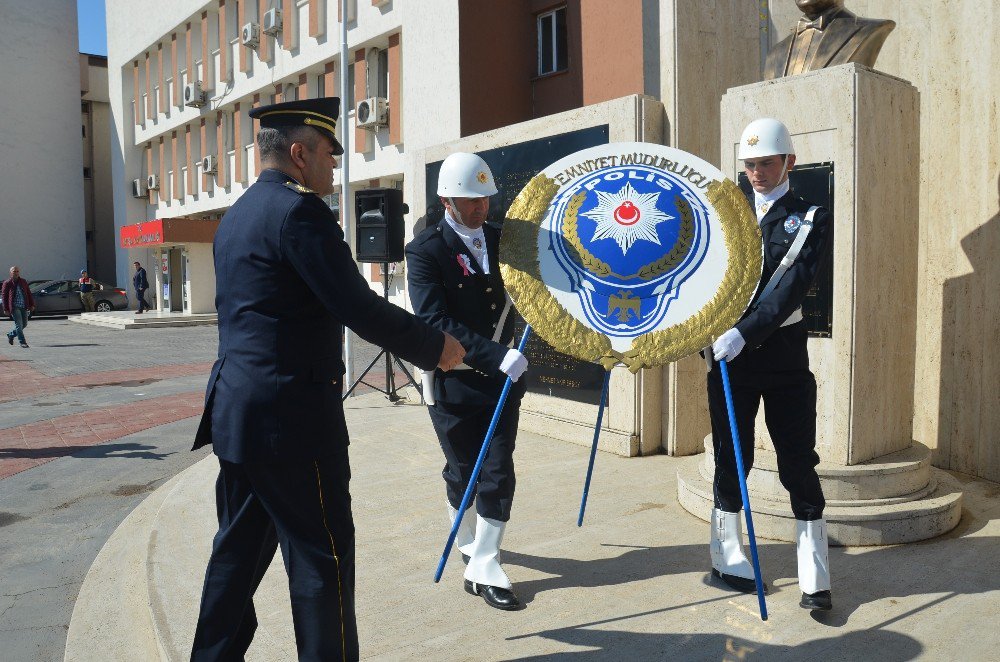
pixel 767 360
pixel 455 285
pixel 286 285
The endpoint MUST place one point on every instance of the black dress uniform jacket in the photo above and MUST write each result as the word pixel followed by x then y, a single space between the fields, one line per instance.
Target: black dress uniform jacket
pixel 286 286
pixel 466 306
pixel 774 367
pixel 764 317
pixel 469 307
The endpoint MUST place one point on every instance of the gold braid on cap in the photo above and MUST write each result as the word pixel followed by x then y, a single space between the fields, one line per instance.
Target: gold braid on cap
pixel 324 121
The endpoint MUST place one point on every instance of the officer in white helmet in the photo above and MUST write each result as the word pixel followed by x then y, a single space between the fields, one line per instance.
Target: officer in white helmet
pixel 455 285
pixel 767 360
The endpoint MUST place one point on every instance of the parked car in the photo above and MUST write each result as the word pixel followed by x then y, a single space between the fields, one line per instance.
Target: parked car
pixel 62 297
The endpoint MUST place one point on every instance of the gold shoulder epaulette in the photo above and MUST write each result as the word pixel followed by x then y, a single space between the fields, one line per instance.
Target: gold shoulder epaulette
pixel 299 188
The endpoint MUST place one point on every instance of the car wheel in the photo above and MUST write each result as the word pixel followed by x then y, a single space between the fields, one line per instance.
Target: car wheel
pixel 103 307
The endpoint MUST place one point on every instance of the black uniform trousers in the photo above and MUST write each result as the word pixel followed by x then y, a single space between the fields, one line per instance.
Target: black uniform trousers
pixel 789 395
pixel 304 506
pixel 461 429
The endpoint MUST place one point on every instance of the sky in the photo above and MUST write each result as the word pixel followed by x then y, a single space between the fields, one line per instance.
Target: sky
pixel 93 27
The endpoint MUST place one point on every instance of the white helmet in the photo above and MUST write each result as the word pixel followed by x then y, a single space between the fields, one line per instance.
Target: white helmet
pixel 465 175
pixel 765 137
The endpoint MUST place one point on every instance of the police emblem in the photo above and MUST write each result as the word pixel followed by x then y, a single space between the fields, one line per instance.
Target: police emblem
pixel 630 253
pixel 792 224
pixel 482 177
pixel 753 140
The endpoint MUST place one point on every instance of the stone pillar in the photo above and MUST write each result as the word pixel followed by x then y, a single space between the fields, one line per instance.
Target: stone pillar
pixel 879 485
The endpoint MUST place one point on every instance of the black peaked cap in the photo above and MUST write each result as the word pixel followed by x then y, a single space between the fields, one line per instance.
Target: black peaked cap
pixel 320 114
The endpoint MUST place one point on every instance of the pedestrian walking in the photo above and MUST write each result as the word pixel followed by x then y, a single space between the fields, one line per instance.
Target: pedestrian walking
pixel 140 284
pixel 18 303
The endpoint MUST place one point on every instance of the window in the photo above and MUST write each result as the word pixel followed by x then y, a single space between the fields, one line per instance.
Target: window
pixel 552 41
pixel 382 88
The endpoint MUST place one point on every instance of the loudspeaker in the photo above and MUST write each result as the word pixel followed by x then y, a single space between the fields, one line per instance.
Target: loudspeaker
pixel 379 213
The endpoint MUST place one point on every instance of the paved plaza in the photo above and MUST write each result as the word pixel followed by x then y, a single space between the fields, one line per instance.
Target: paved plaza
pixel 106 520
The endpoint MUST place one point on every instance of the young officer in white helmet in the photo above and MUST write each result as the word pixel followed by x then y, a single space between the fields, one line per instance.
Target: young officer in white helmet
pixel 767 359
pixel 455 285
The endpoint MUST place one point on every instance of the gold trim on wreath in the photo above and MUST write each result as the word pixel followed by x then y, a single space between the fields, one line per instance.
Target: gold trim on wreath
pixel 522 277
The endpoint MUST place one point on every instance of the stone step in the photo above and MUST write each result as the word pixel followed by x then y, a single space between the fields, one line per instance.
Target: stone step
pixel 128 320
pixel 933 510
pixel 899 476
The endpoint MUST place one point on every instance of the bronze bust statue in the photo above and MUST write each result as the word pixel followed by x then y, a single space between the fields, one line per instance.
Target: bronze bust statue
pixel 826 36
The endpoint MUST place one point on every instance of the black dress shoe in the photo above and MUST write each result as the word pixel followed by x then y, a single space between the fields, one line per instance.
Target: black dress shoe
pixel 496 597
pixel 10 340
pixel 741 584
pixel 819 601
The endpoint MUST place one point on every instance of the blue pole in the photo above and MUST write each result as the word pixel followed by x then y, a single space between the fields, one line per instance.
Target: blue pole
pixel 743 487
pixel 474 479
pixel 593 448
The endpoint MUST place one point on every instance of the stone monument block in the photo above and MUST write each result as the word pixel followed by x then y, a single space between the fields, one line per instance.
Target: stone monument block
pixel 879 484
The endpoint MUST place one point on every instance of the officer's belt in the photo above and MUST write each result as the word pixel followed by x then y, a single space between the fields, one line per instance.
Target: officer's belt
pixel 508 304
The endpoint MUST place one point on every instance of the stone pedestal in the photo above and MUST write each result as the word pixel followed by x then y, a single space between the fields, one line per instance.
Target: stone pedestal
pixel 880 486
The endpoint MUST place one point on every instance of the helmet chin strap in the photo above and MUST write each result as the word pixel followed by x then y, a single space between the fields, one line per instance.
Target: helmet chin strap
pixel 454 211
pixel 784 171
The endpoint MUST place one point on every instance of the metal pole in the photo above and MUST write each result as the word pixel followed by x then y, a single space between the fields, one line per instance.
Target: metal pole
pixel 474 478
pixel 345 175
pixel 738 452
pixel 593 448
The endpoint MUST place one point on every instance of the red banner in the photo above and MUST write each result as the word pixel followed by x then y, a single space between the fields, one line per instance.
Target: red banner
pixel 149 233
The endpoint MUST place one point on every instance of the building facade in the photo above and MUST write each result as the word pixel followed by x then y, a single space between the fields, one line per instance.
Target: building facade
pixel 451 70
pixel 42 215
pixel 98 206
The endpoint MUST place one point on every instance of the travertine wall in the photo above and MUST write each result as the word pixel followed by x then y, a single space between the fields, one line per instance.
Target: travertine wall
pixel 949 50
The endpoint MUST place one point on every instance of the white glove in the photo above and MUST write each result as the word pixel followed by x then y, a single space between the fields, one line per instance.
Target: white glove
pixel 514 364
pixel 728 346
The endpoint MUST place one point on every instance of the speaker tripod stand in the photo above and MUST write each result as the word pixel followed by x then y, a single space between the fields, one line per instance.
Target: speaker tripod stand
pixel 390 390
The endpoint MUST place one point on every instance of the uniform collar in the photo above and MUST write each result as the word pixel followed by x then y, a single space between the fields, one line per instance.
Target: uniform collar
pixel 275 175
pixel 463 231
pixel 764 202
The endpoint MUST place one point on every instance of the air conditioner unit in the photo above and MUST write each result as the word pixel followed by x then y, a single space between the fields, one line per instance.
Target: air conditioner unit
pixel 138 188
pixel 272 21
pixel 250 35
pixel 194 96
pixel 372 113
pixel 209 165
pixel 153 183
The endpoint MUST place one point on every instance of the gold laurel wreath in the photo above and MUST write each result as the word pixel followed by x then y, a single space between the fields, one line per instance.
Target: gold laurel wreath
pixel 521 273
pixel 594 265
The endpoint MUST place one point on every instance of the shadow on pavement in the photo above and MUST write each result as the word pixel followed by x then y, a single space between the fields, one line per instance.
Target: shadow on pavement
pixel 130 450
pixel 937 569
pixel 618 645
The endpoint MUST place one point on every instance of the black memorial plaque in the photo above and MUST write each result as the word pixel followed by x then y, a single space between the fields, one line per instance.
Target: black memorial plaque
pixel 550 372
pixel 813 182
